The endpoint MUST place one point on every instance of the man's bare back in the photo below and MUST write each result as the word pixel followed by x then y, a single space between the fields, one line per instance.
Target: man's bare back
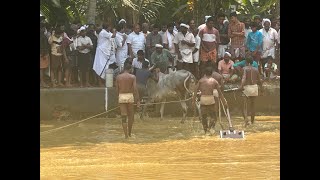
pixel 126 83
pixel 207 85
pixel 251 76
pixel 218 77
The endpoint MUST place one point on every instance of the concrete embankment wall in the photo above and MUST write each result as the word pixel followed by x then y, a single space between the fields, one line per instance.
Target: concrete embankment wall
pixel 90 101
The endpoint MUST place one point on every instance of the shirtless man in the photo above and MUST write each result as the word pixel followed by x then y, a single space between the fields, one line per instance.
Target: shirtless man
pixel 126 89
pixel 207 84
pixel 249 85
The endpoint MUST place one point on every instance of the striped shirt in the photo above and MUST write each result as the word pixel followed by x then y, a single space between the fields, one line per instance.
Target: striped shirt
pixel 209 37
pixel 236 40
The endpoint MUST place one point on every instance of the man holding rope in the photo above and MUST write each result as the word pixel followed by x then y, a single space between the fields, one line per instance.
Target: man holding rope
pixel 127 92
pixel 207 85
pixel 249 84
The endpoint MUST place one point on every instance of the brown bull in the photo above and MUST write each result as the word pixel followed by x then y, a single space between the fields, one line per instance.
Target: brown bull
pixel 181 82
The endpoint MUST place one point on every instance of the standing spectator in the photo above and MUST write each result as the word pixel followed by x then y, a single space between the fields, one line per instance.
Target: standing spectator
pixel 168 42
pixel 270 36
pixel 236 33
pixel 153 39
pixel 163 30
pixel 254 44
pixel 84 46
pixel 70 52
pixel 55 41
pixel 145 30
pixel 192 26
pixel 223 32
pixel 122 50
pixel 204 24
pixel 44 55
pixel 135 41
pixel 102 58
pixel 247 29
pixel 91 33
pixel 195 54
pixel 258 20
pixel 184 41
pixel 210 40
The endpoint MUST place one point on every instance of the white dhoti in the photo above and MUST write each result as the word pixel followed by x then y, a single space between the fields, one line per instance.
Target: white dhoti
pixel 101 62
pixel 207 99
pixel 215 93
pixel 186 56
pixel 251 90
pixel 268 52
pixel 222 50
pixel 126 98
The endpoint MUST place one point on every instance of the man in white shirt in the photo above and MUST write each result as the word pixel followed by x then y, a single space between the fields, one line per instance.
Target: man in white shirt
pixel 84 46
pixel 138 61
pixel 168 42
pixel 122 47
pixel 270 37
pixel 184 42
pixel 102 58
pixel 136 41
pixel 163 30
pixel 195 54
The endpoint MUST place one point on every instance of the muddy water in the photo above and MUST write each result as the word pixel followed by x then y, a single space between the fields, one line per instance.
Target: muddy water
pixel 166 149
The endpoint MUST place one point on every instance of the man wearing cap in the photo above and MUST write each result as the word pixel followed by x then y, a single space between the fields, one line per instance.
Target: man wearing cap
pixel 225 68
pixel 161 59
pixel 84 46
pixel 184 42
pixel 237 35
pixel 210 40
pixel 270 37
pixel 204 24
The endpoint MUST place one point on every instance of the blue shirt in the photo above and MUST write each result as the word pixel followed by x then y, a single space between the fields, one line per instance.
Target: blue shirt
pixel 243 64
pixel 142 76
pixel 253 40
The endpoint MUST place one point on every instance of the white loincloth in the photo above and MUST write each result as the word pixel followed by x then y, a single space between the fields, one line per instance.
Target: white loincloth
pixel 126 98
pixel 251 90
pixel 215 93
pixel 207 99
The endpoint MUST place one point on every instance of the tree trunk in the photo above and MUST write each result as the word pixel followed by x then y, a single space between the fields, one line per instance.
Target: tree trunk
pixel 91 11
pixel 278 8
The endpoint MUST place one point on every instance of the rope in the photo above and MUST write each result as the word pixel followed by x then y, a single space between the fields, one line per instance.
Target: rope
pixel 52 130
pixel 167 102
